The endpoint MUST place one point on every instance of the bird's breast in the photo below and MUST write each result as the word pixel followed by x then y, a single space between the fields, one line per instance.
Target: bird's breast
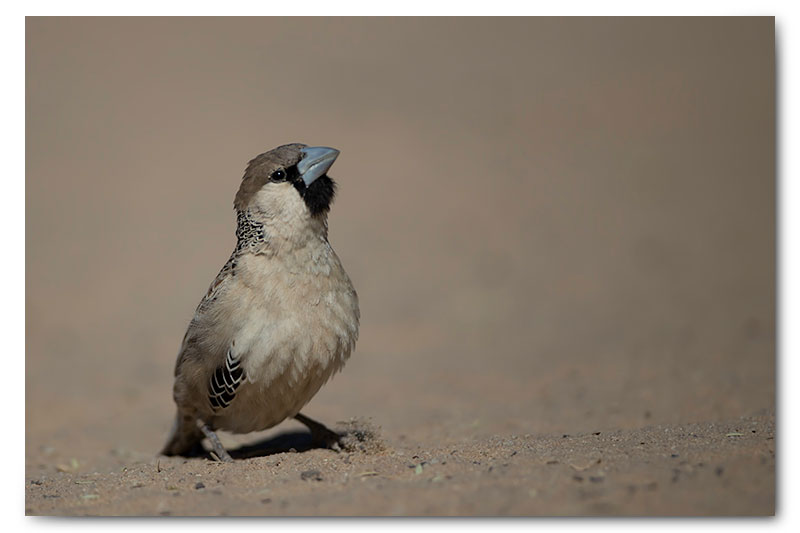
pixel 297 327
pixel 302 318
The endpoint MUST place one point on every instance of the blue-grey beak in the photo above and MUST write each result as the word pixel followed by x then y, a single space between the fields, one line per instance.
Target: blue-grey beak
pixel 315 162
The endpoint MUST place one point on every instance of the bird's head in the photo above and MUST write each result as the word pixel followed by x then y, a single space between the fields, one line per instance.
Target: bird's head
pixel 288 184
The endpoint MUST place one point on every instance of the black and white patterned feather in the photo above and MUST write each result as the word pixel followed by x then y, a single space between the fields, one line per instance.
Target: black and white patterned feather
pixel 224 382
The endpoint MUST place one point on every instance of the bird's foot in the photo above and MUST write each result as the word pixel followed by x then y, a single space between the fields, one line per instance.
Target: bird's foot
pixel 321 436
pixel 217 448
pixel 326 438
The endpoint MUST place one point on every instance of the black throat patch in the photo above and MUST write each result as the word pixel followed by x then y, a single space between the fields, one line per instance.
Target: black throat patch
pixel 319 195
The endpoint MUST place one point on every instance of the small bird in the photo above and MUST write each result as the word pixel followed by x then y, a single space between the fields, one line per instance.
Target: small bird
pixel 280 318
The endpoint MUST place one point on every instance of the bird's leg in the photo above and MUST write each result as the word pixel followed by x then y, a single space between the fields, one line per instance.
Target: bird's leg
pixel 217 446
pixel 320 435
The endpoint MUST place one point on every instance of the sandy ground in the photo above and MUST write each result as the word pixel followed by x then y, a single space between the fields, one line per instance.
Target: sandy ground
pixel 692 469
pixel 561 232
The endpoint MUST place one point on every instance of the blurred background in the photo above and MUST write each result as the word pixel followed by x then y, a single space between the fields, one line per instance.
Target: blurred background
pixel 554 225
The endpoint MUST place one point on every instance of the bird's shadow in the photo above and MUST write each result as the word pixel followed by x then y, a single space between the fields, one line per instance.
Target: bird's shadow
pixel 292 441
pixel 298 441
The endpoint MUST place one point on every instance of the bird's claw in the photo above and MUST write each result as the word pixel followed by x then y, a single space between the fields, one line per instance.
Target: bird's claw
pixel 321 437
pixel 325 438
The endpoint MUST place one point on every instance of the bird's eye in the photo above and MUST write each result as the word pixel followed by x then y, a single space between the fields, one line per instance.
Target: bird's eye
pixel 278 175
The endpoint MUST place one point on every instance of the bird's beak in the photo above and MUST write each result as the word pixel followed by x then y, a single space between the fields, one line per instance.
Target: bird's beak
pixel 315 162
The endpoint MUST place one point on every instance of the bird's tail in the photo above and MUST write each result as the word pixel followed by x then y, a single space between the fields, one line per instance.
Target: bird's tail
pixel 185 437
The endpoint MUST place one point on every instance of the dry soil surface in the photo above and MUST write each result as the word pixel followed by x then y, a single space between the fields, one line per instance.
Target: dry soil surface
pixel 691 469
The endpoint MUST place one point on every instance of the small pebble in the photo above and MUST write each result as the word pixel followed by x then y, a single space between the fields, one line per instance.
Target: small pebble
pixel 314 475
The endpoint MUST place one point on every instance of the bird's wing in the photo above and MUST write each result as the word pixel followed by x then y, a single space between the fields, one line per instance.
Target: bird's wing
pixel 228 271
pixel 214 290
pixel 224 381
pixel 227 377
